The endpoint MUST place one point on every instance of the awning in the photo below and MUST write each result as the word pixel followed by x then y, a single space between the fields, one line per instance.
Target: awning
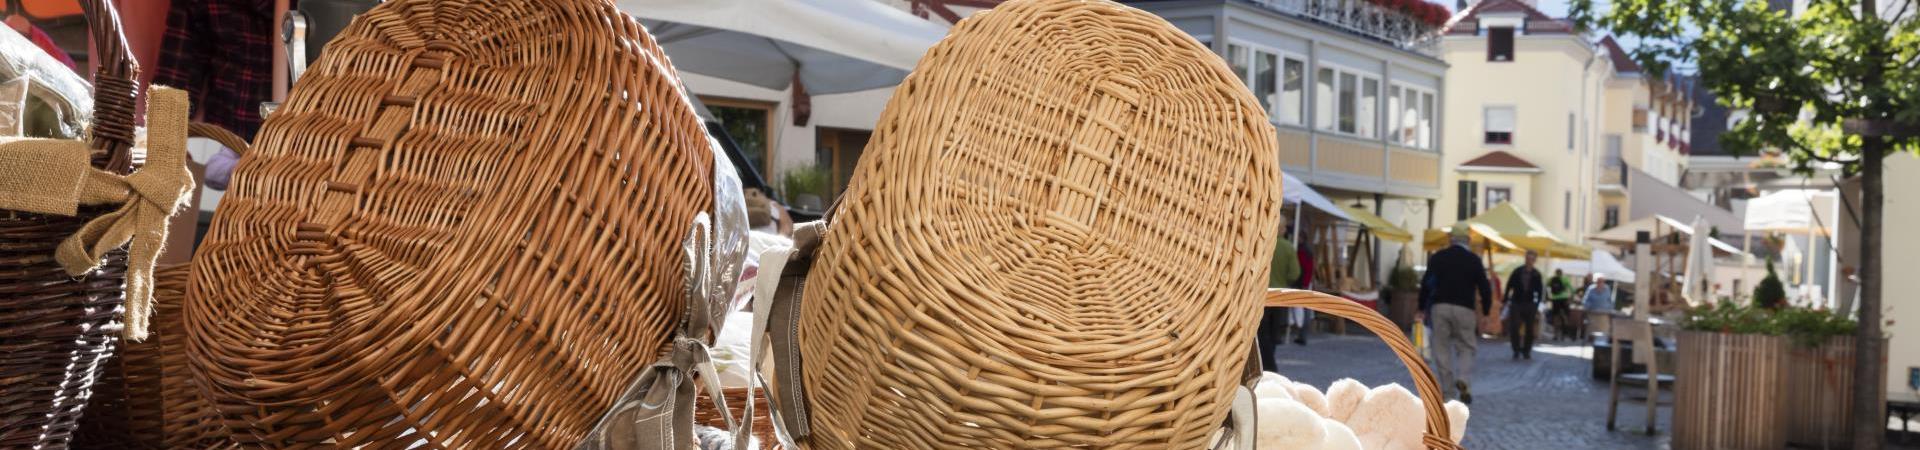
pixel 1378 226
pixel 833 46
pixel 1797 211
pixel 1522 230
pixel 1625 234
pixel 1295 192
pixel 1600 262
pixel 1480 234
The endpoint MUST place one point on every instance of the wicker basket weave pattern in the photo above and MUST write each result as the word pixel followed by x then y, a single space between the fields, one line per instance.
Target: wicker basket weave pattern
pixel 461 230
pixel 1058 237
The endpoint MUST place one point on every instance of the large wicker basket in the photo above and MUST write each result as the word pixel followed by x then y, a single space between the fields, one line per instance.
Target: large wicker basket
pixel 1058 237
pixel 1432 401
pixel 58 330
pixel 460 231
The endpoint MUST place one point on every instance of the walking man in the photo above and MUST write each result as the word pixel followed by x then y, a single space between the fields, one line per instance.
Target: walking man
pixel 1456 282
pixel 1523 294
pixel 1560 292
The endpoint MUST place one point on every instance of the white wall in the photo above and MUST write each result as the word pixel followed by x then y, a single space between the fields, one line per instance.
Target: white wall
pixel 1900 293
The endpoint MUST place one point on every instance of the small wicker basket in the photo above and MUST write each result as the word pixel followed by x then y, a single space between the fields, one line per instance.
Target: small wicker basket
pixel 1431 396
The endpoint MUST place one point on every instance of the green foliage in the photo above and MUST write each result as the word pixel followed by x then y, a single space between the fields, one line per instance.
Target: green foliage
pixel 1770 293
pixel 1403 279
pixel 806 180
pixel 1805 326
pixel 1824 65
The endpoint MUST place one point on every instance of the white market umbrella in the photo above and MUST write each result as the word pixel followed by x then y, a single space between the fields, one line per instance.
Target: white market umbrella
pixel 831 46
pixel 1600 262
pixel 1697 286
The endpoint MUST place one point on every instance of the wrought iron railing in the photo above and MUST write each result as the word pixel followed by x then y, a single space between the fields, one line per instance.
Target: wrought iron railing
pixel 1367 19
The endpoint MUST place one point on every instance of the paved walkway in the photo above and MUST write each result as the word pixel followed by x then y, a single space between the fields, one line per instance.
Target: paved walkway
pixel 1548 402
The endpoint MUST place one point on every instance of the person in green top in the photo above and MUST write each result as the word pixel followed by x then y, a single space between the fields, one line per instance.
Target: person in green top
pixel 1560 293
pixel 1273 321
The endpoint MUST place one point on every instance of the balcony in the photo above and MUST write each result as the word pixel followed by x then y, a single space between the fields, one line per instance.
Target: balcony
pixel 1612 179
pixel 1395 27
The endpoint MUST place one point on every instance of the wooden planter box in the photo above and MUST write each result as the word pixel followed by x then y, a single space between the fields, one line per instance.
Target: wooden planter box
pixel 1730 392
pixel 1819 381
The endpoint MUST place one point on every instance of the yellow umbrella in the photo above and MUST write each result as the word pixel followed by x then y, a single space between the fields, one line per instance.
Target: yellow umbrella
pixel 1480 233
pixel 1529 233
pixel 1380 227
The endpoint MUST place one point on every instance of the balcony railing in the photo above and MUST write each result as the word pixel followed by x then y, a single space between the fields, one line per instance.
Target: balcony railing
pixel 1613 172
pixel 1364 18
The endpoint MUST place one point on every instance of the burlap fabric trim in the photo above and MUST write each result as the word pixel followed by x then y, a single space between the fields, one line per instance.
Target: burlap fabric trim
pixel 50 176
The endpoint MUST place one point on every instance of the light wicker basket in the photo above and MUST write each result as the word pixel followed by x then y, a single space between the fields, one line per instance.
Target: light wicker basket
pixel 461 230
pixel 1057 237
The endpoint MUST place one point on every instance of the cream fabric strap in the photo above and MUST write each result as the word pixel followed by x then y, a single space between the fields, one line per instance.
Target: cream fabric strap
pixel 56 177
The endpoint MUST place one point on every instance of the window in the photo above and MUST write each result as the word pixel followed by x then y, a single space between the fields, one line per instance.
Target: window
pixel 1639 120
pixel 1500 44
pixel 1293 89
pixel 1469 199
pixel 1397 118
pixel 1263 80
pixel 1346 105
pixel 1323 98
pixel 1498 195
pixel 747 123
pixel 1612 218
pixel 1569 132
pixel 1409 116
pixel 1277 80
pixel 1613 150
pixel 1500 122
pixel 1426 121
pixel 1566 214
pixel 1237 58
pixel 1367 117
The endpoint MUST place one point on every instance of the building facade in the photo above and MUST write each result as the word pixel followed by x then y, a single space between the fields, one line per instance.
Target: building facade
pixel 1355 94
pixel 1553 121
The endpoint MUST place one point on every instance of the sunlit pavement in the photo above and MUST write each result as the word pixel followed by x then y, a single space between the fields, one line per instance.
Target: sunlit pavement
pixel 1549 402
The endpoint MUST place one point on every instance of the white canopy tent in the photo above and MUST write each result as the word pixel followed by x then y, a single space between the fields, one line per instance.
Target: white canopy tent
pixel 1794 211
pixel 1601 262
pixel 832 46
pixel 1296 192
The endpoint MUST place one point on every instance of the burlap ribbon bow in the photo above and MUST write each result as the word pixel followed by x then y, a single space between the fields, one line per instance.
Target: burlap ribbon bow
pixel 49 176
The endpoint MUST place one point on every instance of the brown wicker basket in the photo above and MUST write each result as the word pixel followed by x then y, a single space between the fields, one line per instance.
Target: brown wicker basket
pixel 761 423
pixel 462 230
pixel 1057 237
pixel 57 330
pixel 1437 430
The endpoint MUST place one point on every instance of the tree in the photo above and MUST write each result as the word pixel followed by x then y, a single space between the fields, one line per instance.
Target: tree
pixel 1827 85
pixel 1769 293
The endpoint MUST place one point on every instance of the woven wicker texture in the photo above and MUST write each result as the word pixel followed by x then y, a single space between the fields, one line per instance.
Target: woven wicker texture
pixel 1058 236
pixel 1431 400
pixel 461 230
pixel 57 331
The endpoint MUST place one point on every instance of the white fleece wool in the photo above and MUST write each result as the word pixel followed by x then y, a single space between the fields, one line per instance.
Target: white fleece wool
pixel 1348 417
pixel 1343 397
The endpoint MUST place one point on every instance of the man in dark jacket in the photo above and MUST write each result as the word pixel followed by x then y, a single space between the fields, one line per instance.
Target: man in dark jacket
pixel 1455 284
pixel 1524 289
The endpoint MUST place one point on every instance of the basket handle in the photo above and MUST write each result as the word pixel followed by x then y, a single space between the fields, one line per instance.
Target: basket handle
pixel 226 138
pixel 1431 397
pixel 115 86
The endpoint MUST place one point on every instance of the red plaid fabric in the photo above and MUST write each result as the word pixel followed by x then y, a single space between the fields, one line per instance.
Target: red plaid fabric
pixel 221 53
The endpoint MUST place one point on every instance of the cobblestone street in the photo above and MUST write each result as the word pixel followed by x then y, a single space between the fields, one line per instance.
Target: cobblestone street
pixel 1548 402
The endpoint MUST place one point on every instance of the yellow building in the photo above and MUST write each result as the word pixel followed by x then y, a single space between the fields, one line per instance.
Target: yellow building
pixel 1547 118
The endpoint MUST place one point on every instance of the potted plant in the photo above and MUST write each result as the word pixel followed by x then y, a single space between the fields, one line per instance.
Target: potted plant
pixel 1770 293
pixel 1403 296
pixel 807 186
pixel 1761 375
